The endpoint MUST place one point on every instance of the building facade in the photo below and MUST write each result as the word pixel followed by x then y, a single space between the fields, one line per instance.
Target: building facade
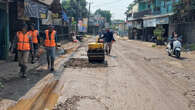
pixel 150 15
pixel 42 13
pixel 4 29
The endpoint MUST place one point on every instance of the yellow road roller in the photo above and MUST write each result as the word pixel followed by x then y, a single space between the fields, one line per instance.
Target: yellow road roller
pixel 96 52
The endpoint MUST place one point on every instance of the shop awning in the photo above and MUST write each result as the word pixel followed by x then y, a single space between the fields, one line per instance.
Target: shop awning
pixel 152 21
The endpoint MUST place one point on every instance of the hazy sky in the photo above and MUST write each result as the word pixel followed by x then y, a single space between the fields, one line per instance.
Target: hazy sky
pixel 117 7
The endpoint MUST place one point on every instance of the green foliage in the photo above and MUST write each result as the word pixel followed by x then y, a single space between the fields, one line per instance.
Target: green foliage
pixel 159 31
pixel 104 13
pixel 191 47
pixel 154 45
pixel 1 85
pixel 75 8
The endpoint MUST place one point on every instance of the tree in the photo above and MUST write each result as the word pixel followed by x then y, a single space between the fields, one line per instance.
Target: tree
pixel 75 8
pixel 104 13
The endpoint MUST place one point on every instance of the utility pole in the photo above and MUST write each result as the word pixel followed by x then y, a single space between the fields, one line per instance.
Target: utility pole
pixel 89 14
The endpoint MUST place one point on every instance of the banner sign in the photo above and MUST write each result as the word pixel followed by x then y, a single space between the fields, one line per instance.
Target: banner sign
pixel 20 11
pixel 85 24
pixel 48 20
pixel 47 2
pixel 150 23
pixel 82 25
pixel 34 9
pixel 57 22
pixel 164 20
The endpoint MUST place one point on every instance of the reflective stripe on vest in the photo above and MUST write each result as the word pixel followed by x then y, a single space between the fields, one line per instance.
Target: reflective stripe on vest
pixel 34 35
pixel 23 41
pixel 50 42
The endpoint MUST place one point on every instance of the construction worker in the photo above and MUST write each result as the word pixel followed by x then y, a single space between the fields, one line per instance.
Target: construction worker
pixel 35 39
pixel 108 39
pixel 50 44
pixel 24 44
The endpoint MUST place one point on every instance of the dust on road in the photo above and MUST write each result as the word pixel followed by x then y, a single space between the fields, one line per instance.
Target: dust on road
pixel 137 77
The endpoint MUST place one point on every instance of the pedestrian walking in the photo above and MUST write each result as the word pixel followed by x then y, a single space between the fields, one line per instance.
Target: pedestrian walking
pixel 35 39
pixel 108 39
pixel 24 44
pixel 50 45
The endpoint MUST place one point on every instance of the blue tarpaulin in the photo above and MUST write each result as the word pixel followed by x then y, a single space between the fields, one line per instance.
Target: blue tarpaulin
pixel 64 16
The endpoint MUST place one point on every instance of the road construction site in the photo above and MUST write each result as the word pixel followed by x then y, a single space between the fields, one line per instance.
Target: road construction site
pixel 136 76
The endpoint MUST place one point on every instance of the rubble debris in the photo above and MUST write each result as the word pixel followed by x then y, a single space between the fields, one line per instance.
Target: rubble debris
pixel 83 63
pixel 72 103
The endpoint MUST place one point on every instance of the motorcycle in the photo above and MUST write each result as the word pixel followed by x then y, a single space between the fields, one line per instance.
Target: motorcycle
pixel 176 49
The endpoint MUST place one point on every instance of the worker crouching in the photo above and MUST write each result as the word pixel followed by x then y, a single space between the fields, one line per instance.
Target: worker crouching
pixel 50 44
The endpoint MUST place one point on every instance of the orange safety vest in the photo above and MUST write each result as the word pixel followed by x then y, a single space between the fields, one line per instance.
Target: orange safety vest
pixel 34 35
pixel 23 41
pixel 50 42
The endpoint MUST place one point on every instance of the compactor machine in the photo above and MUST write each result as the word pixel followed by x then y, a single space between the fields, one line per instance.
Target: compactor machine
pixel 96 51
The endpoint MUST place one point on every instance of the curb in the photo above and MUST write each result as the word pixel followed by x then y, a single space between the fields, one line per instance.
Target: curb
pixel 42 96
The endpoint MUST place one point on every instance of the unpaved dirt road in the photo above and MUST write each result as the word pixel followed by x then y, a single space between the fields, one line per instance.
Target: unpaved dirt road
pixel 137 77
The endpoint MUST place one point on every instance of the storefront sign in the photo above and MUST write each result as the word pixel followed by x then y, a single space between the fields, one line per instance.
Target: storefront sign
pixel 34 9
pixel 48 20
pixel 47 2
pixel 57 22
pixel 162 20
pixel 150 23
pixel 55 15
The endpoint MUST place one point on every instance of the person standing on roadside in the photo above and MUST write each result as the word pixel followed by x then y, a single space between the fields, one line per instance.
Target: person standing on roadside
pixel 50 44
pixel 35 39
pixel 24 44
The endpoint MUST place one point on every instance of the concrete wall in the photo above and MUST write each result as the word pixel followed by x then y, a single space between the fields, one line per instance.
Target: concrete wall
pixel 187 30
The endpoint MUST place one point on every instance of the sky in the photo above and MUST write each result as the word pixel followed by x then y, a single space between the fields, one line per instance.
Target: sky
pixel 117 7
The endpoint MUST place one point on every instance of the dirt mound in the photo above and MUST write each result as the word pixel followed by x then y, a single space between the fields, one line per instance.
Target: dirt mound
pixel 83 63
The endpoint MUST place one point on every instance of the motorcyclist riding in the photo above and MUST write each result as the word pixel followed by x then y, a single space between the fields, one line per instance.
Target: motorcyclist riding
pixel 174 46
pixel 172 38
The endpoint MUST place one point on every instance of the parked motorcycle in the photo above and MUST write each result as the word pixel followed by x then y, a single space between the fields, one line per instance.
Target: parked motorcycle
pixel 176 49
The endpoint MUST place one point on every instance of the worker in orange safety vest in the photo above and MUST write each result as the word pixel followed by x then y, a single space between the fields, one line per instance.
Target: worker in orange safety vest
pixel 50 45
pixel 24 44
pixel 35 39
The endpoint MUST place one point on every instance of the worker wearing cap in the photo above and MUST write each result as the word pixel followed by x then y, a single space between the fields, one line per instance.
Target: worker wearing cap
pixel 24 44
pixel 35 39
pixel 50 44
